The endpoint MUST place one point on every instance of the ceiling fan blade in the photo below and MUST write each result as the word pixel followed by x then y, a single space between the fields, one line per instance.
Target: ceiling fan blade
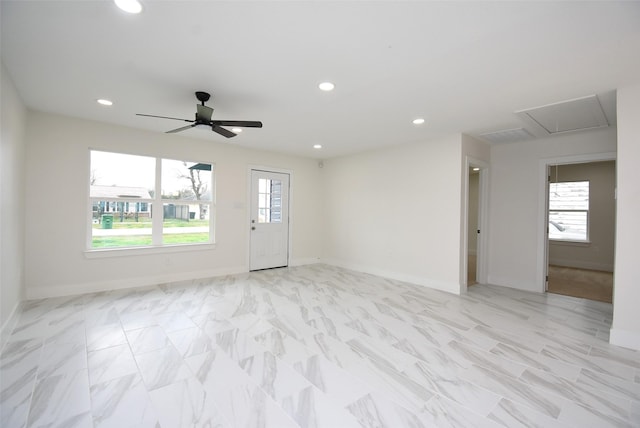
pixel 173 131
pixel 239 123
pixel 204 113
pixel 222 131
pixel 164 117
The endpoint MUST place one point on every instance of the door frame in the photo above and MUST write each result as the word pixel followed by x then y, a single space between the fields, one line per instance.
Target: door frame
pixel 253 167
pixel 483 223
pixel 542 251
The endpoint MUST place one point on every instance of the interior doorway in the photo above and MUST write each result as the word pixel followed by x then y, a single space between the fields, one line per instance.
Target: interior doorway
pixel 472 225
pixel 581 229
pixel 475 246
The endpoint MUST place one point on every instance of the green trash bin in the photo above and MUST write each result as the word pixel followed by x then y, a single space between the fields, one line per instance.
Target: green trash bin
pixel 107 221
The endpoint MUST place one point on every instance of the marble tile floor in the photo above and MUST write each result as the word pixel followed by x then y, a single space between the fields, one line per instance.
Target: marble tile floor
pixel 316 346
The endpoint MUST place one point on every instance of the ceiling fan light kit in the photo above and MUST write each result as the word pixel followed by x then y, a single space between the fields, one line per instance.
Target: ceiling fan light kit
pixel 203 117
pixel 129 6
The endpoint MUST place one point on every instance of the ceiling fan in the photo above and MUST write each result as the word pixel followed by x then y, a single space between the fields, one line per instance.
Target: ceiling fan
pixel 203 117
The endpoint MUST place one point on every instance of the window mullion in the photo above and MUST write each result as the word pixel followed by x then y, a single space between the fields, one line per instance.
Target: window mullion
pixel 158 211
pixel 213 217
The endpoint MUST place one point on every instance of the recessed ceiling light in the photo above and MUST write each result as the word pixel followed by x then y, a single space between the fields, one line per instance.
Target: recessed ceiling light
pixel 476 169
pixel 317 146
pixel 326 86
pixel 237 130
pixel 129 6
pixel 418 121
pixel 104 102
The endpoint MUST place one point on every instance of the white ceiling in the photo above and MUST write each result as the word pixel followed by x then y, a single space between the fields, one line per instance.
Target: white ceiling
pixel 463 66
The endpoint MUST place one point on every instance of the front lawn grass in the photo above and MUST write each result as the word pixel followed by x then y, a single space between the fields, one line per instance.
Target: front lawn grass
pixel 145 240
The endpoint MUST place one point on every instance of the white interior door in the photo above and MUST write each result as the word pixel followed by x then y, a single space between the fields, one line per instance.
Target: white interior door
pixel 483 220
pixel 269 218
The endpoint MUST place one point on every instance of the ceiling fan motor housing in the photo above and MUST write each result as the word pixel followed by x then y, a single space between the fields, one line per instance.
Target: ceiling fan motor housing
pixel 203 97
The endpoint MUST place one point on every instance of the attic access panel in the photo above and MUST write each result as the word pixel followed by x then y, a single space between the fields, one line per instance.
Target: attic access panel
pixel 566 116
pixel 507 136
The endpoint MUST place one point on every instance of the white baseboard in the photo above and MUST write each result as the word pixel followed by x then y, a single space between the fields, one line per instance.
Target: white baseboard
pixel 46 291
pixel 303 262
pixel 511 283
pixel 42 292
pixel 606 267
pixel 625 338
pixel 10 324
pixel 398 276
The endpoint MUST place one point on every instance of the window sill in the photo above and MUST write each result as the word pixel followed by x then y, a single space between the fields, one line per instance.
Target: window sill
pixel 570 243
pixel 143 251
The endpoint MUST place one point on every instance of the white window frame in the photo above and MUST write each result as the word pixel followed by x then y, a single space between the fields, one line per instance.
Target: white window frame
pixel 157 246
pixel 586 211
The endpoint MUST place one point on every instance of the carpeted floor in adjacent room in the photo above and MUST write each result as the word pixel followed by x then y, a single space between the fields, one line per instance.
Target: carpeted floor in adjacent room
pixel 588 284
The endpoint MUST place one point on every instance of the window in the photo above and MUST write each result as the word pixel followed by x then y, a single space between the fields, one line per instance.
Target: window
pixel 569 211
pixel 269 201
pixel 140 201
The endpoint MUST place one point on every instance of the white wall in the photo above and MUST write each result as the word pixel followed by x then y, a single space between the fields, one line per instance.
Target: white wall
pixel 56 204
pixel 515 237
pixel 12 191
pixel 396 212
pixel 598 253
pixel 625 330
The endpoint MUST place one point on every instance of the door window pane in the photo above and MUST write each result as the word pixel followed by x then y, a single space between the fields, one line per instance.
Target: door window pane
pixel 269 201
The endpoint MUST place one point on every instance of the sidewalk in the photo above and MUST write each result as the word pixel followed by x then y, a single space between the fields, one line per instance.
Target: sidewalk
pixel 147 231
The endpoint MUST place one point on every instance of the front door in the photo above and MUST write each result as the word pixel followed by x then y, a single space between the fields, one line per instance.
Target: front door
pixel 269 226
